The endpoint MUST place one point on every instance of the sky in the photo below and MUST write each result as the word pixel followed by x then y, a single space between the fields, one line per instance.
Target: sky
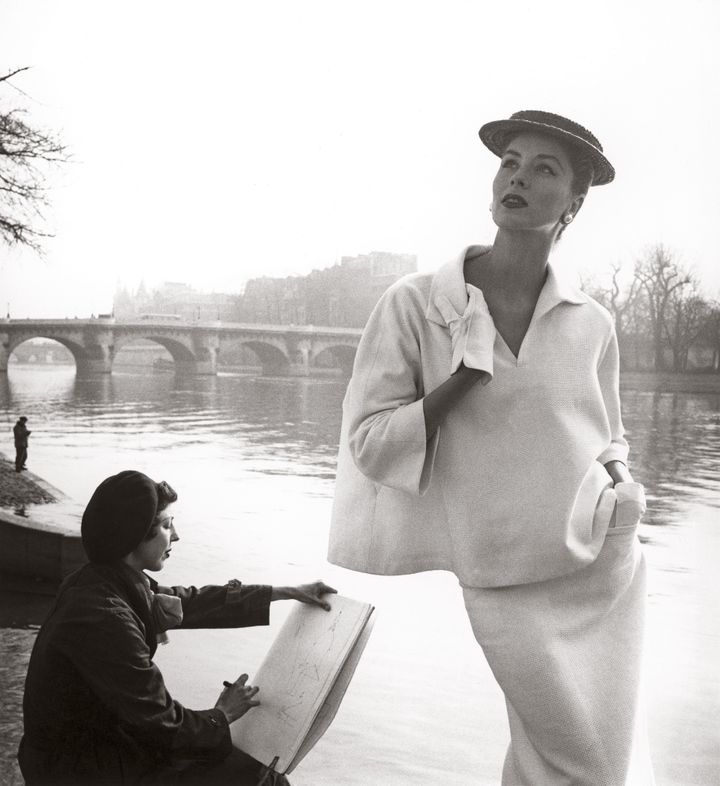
pixel 218 141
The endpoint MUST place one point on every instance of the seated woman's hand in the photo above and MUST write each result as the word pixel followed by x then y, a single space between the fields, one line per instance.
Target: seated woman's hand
pixel 237 698
pixel 305 593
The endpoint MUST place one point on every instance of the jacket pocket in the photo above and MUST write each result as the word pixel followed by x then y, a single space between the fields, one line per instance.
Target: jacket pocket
pixel 590 511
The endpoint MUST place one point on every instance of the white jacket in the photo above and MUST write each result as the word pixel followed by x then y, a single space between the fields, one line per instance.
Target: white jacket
pixel 507 490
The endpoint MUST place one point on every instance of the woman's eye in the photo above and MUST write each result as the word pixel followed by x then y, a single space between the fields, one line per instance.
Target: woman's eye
pixel 508 163
pixel 546 169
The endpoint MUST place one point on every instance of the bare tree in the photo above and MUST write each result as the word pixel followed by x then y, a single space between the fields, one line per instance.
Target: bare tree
pixel 710 333
pixel 661 309
pixel 622 303
pixel 26 153
pixel 659 276
pixel 687 312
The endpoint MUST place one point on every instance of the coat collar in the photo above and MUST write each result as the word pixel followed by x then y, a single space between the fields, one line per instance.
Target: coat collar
pixel 449 281
pixel 131 584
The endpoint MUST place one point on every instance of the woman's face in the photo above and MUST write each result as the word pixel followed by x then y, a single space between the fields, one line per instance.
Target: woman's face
pixel 151 554
pixel 533 187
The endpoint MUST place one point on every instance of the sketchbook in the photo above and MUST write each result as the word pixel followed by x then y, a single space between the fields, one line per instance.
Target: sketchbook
pixel 302 681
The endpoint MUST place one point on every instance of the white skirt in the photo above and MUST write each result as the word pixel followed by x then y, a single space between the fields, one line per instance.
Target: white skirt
pixel 567 654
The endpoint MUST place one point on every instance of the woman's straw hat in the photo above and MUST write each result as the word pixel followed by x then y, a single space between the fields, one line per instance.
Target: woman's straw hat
pixel 495 136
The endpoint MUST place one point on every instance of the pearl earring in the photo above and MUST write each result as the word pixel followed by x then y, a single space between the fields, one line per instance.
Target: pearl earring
pixel 567 218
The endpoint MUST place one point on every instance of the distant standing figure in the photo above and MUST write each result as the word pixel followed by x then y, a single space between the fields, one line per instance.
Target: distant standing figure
pixel 21 434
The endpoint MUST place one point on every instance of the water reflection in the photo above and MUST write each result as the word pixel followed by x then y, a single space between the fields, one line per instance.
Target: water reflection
pixel 675 440
pixel 291 425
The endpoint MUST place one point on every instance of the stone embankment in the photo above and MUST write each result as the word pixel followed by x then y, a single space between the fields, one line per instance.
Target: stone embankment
pixel 19 488
pixel 39 528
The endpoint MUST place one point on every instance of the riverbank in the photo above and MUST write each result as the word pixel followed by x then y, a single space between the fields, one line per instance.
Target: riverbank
pixel 24 600
pixel 18 489
pixel 668 382
pixel 39 531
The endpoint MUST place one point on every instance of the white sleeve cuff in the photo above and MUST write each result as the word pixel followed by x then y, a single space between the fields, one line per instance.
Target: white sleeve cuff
pixel 394 450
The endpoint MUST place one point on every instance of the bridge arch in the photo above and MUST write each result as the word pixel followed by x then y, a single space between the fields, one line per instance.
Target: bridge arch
pixel 272 358
pixel 181 354
pixel 80 353
pixel 343 355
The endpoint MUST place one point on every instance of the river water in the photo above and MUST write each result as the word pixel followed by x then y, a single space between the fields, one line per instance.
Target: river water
pixel 253 460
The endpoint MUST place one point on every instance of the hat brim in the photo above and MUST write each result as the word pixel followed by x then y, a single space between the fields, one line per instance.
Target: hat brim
pixel 494 136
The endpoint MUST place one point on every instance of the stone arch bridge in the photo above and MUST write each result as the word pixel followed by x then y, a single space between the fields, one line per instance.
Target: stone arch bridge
pixel 194 346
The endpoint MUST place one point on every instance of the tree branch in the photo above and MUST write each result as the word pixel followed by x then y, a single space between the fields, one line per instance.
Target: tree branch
pixel 14 73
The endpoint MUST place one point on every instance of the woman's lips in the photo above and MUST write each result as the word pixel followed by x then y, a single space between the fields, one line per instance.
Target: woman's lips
pixel 513 201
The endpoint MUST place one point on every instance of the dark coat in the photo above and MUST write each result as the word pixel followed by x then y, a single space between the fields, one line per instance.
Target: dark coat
pixel 96 709
pixel 21 434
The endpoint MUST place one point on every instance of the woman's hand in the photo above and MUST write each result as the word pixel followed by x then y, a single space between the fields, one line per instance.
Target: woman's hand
pixel 305 593
pixel 237 698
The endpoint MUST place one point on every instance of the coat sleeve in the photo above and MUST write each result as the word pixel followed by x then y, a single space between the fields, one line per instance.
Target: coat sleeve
pixel 106 644
pixel 383 404
pixel 234 605
pixel 609 378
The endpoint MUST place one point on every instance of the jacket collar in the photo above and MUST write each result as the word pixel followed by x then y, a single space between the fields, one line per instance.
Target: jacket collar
pixel 449 281
pixel 133 585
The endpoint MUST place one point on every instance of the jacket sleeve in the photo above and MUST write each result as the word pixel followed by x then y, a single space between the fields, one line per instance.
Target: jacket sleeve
pixel 609 378
pixel 383 404
pixel 106 644
pixel 234 605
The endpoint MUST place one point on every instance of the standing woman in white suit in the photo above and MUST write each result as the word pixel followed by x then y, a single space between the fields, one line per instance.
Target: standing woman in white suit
pixel 482 434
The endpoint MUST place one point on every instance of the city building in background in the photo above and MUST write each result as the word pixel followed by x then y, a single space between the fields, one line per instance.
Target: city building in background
pixel 339 296
pixel 174 299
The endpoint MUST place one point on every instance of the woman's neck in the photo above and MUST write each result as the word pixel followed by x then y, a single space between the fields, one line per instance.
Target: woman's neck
pixel 518 260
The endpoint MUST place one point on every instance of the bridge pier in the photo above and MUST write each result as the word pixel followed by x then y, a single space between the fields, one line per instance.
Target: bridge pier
pixel 299 356
pixel 95 358
pixel 204 357
pixel 4 352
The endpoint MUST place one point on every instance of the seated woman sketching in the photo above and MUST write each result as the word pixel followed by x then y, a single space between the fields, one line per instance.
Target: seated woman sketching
pixel 96 709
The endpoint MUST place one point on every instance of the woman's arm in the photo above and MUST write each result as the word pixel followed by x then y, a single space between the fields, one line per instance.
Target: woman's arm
pixel 618 471
pixel 237 605
pixel 615 455
pixel 232 605
pixel 305 593
pixel 105 644
pixel 391 420
pixel 438 403
pixel 383 422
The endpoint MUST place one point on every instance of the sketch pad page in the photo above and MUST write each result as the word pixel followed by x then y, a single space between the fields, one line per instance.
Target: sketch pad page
pixel 302 681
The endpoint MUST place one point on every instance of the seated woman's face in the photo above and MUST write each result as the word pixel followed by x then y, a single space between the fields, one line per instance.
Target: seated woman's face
pixel 533 187
pixel 151 554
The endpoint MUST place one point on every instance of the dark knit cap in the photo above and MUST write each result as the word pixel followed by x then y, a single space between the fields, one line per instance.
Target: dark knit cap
pixel 119 515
